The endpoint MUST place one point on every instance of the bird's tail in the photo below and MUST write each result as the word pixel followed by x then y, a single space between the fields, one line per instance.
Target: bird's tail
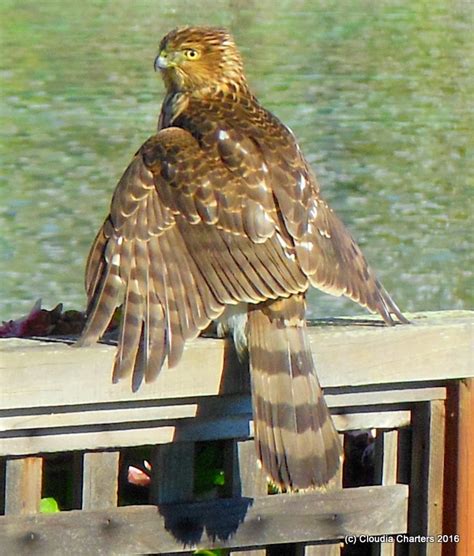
pixel 295 437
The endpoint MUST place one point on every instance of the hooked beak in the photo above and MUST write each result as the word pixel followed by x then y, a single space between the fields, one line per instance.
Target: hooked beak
pixel 162 61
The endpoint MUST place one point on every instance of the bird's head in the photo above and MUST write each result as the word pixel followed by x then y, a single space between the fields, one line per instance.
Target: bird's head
pixel 198 58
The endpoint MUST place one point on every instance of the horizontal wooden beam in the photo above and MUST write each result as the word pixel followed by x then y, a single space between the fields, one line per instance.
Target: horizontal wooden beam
pixel 143 432
pixel 54 418
pixel 435 347
pixel 232 523
pixel 216 407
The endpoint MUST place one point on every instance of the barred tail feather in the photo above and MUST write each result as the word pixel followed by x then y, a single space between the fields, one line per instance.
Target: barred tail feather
pixel 295 437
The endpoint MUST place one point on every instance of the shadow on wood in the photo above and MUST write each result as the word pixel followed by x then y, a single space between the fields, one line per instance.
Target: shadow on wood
pixel 189 524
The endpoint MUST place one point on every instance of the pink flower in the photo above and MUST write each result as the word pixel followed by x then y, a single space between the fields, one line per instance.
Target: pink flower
pixel 139 477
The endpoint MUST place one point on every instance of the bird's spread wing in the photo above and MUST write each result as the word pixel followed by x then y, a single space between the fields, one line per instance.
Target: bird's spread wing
pixel 334 263
pixel 193 230
pixel 184 237
pixel 325 250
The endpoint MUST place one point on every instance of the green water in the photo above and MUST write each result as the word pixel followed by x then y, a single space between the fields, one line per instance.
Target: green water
pixel 378 93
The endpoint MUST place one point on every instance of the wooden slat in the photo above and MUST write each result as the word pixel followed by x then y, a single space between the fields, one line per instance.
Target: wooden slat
pixel 23 486
pixel 51 417
pixel 386 394
pixel 94 440
pixel 435 475
pixel 434 348
pixel 428 441
pixel 97 414
pixel 376 419
pixel 331 549
pixel 220 523
pixel 386 453
pixel 100 480
pixel 163 431
pixel 386 463
pixel 247 479
pixel 172 473
pixel 390 457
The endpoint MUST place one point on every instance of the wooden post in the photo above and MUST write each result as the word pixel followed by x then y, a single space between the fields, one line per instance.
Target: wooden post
pixel 172 473
pixel 436 474
pixel 386 472
pixel 426 493
pixel 331 549
pixel 23 485
pixel 100 480
pixel 247 478
pixel 390 457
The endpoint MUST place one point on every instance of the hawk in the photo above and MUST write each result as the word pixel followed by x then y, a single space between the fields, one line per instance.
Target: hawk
pixel 219 217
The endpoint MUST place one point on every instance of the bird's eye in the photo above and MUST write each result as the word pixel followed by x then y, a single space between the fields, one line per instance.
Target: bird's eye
pixel 191 54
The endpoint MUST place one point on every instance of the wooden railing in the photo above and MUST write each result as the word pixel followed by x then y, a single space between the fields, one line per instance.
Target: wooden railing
pixel 57 399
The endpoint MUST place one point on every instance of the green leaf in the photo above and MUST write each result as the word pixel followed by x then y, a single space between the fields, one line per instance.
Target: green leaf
pixel 208 468
pixel 49 506
pixel 219 477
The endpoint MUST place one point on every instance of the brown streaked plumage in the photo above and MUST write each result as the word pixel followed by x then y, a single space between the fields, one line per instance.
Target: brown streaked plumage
pixel 218 216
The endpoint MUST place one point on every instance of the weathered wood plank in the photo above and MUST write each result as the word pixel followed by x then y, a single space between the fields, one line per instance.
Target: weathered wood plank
pixel 427 475
pixel 390 457
pixel 169 485
pixel 162 432
pixel 100 480
pixel 436 433
pixel 331 549
pixel 220 523
pixel 376 419
pixel 386 450
pixel 94 440
pixel 83 375
pixel 60 417
pixel 421 351
pixel 386 394
pixel 434 348
pixel 23 486
pixel 172 473
pixel 49 417
pixel 247 479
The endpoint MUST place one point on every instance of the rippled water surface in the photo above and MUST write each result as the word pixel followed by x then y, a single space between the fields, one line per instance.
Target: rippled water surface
pixel 379 94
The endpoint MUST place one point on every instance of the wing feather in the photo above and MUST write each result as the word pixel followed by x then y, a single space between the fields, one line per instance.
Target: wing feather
pixel 263 153
pixel 105 290
pixel 95 261
pixel 335 263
